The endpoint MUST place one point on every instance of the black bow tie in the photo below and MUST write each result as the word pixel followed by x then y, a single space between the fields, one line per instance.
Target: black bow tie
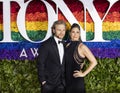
pixel 60 42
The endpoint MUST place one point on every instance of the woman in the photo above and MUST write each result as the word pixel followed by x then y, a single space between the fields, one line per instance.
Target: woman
pixel 76 52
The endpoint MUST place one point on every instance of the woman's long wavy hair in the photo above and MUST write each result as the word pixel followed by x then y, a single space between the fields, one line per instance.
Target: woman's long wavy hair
pixel 76 55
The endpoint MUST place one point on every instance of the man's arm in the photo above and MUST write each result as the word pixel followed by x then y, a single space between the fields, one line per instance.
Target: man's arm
pixel 43 53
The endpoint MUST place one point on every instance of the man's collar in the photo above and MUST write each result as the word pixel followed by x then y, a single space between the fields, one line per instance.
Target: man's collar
pixel 57 39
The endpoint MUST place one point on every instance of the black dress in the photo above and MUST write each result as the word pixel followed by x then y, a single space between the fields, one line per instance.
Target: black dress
pixel 73 85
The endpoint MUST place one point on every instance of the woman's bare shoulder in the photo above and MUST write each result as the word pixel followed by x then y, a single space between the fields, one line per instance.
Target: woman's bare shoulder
pixel 83 46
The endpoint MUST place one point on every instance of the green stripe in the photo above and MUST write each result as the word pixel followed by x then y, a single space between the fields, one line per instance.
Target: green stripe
pixel 1 35
pixel 111 35
pixel 39 35
pixel 33 35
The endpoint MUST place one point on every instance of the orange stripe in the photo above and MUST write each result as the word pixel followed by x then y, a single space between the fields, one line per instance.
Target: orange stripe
pixel 37 16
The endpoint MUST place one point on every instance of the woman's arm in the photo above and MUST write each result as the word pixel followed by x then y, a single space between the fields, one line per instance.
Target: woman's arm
pixel 85 52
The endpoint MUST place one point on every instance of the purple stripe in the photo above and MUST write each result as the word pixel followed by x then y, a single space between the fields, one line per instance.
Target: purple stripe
pixel 106 52
pixel 15 55
pixel 98 52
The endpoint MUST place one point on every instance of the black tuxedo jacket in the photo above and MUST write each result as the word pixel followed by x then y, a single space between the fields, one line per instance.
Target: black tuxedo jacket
pixel 49 66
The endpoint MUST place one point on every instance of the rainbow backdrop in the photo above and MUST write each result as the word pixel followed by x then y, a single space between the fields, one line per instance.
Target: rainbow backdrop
pixel 37 24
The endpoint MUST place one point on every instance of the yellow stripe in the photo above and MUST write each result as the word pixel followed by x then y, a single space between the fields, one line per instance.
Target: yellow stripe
pixel 1 26
pixel 110 26
pixel 35 26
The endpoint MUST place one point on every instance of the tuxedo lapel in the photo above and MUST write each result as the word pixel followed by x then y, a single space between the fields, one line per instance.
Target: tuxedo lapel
pixel 55 48
pixel 63 61
pixel 64 45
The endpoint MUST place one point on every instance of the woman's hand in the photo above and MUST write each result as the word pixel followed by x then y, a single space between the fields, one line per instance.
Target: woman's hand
pixel 78 73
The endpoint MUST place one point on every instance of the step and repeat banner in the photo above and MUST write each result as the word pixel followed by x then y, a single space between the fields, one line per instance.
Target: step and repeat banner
pixel 25 24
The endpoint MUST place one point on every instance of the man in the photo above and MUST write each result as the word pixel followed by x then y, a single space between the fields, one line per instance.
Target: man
pixel 51 62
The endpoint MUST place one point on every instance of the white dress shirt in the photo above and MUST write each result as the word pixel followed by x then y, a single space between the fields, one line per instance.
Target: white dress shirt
pixel 60 48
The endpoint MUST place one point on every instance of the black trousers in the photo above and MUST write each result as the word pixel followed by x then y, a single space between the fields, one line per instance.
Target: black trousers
pixel 47 88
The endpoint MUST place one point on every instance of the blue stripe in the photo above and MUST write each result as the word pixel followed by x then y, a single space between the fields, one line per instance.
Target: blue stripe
pixel 26 45
pixel 112 44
